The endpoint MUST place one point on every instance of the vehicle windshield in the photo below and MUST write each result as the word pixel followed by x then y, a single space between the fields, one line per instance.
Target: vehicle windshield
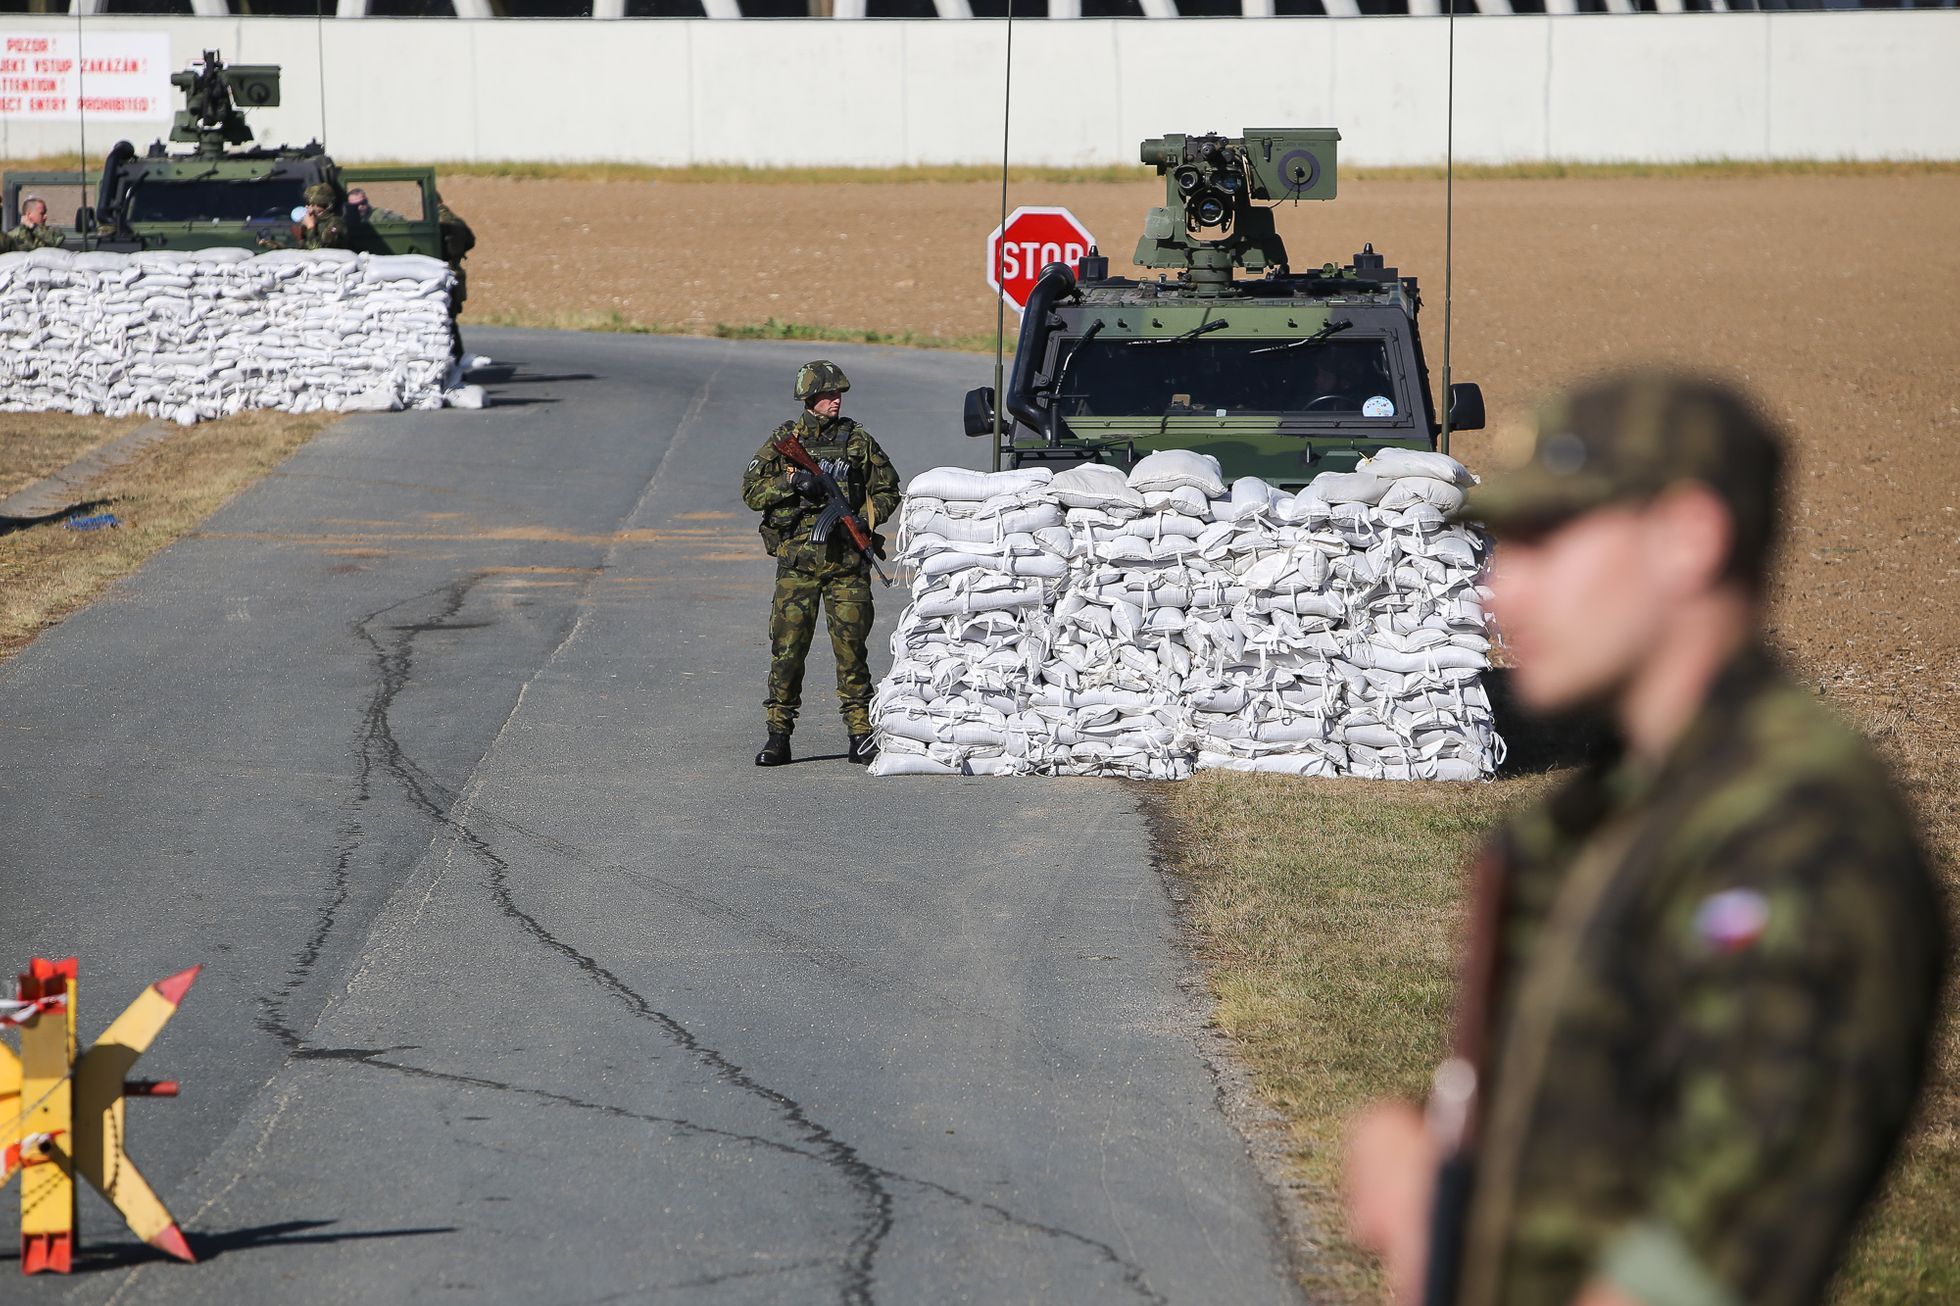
pixel 1338 376
pixel 265 199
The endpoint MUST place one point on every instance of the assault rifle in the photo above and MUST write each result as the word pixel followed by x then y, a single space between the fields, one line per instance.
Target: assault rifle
pixel 837 510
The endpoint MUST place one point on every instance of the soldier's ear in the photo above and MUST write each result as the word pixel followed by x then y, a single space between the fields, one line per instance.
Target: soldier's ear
pixel 1691 534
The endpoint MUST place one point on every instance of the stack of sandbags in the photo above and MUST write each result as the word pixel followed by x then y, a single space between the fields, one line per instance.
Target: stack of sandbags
pixel 1111 689
pixel 1266 693
pixel 1158 621
pixel 1363 633
pixel 197 334
pixel 988 553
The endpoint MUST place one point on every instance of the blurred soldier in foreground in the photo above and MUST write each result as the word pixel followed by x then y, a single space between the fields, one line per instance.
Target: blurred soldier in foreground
pixel 457 241
pixel 34 231
pixel 809 572
pixel 1697 1002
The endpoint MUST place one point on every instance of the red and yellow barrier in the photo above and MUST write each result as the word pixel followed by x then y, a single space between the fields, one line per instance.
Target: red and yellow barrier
pixel 63 1113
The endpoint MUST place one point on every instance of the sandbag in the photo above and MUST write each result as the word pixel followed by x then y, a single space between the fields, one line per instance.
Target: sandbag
pixel 1412 490
pixel 1348 487
pixel 1171 469
pixel 959 484
pixel 1393 464
pixel 1095 485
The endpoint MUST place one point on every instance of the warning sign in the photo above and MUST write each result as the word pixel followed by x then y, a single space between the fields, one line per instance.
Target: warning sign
pixel 62 77
pixel 1031 239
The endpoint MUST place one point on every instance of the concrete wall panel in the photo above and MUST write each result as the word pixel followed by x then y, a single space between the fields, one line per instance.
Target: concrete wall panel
pixel 1655 87
pixel 1622 91
pixel 1829 85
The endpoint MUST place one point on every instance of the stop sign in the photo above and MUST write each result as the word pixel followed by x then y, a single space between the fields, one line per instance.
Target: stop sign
pixel 1032 238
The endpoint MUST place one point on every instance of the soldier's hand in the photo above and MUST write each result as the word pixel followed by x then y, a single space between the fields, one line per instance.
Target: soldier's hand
pixel 806 485
pixel 1391 1178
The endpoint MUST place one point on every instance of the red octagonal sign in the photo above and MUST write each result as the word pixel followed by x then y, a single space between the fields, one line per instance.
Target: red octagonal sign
pixel 1032 239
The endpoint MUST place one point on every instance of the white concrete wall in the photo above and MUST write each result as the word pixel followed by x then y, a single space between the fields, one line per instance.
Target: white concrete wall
pixel 1646 87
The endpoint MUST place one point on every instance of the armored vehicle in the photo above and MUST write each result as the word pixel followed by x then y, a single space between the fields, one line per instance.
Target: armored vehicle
pixel 224 191
pixel 1282 375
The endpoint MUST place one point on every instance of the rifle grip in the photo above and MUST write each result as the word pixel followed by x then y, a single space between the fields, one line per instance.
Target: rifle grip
pixel 1447 1217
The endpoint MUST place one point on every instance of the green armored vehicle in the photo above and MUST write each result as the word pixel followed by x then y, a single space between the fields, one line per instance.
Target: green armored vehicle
pixel 224 191
pixel 1282 375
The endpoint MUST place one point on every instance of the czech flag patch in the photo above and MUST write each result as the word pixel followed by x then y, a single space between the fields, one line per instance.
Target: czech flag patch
pixel 1732 920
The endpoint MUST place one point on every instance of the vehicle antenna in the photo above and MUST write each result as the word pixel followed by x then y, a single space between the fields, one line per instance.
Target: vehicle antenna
pixel 81 125
pixel 1000 248
pixel 1449 217
pixel 320 61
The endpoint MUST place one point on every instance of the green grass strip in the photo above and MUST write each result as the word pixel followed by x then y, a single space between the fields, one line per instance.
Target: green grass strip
pixel 771 329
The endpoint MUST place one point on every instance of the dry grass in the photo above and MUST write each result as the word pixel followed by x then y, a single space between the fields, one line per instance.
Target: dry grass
pixel 33 445
pixel 770 329
pixel 1326 912
pixel 48 572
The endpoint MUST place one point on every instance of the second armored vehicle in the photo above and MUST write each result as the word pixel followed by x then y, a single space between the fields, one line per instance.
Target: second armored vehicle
pixel 224 191
pixel 1283 375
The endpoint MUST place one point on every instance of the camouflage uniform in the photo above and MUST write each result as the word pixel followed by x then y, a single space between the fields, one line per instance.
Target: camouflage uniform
pixel 1720 979
pixel 1716 978
pixel 832 574
pixel 457 241
pixel 23 238
pixel 329 228
pixel 329 232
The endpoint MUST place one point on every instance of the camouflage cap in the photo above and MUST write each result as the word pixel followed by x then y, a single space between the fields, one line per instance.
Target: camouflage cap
pixel 322 194
pixel 820 377
pixel 1626 438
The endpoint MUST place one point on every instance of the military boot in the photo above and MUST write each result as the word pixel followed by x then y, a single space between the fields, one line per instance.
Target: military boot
pixel 775 752
pixel 863 749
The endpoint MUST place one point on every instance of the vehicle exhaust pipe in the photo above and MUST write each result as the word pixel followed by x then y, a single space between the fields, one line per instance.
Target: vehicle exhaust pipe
pixel 1056 282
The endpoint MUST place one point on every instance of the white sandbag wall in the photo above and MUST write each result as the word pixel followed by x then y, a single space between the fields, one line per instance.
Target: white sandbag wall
pixel 197 334
pixel 1089 623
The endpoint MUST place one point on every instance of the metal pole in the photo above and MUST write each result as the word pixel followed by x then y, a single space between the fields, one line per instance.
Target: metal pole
pixel 1000 296
pixel 320 62
pixel 1449 219
pixel 81 129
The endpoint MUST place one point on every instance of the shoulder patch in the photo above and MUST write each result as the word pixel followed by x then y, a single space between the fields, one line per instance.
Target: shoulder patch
pixel 1732 920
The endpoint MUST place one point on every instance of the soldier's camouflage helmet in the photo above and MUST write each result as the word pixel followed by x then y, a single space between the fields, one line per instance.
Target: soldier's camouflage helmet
pixel 820 377
pixel 322 194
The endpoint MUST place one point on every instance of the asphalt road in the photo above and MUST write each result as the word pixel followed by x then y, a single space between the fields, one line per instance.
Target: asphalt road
pixel 521 982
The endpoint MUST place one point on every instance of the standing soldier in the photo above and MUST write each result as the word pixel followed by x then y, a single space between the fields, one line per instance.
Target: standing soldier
pixel 457 241
pixel 808 571
pixel 34 231
pixel 1703 974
